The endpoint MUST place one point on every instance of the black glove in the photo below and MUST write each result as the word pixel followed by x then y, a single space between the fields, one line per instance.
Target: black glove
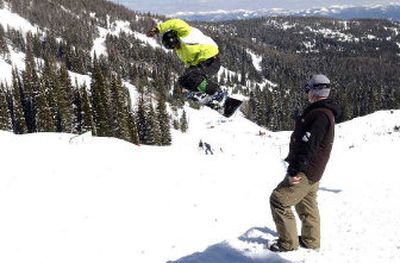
pixel 296 179
pixel 152 31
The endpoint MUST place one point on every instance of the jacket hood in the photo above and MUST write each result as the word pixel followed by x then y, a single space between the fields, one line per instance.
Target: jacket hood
pixel 328 104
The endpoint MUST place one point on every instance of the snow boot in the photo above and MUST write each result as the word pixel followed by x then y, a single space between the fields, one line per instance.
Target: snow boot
pixel 276 247
pixel 304 245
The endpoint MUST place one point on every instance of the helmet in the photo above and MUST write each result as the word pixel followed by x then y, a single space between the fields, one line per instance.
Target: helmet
pixel 170 39
pixel 318 82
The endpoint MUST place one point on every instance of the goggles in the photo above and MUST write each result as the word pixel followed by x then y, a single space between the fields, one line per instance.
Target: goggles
pixel 309 87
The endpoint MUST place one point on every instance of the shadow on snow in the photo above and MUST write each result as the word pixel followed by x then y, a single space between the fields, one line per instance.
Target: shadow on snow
pixel 335 191
pixel 224 253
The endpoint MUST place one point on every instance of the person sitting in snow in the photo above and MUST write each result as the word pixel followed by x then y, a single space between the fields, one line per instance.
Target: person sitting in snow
pixel 309 151
pixel 198 52
pixel 201 145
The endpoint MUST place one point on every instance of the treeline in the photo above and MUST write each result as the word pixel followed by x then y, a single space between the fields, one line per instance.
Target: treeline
pixel 46 101
pixel 360 57
pixel 76 22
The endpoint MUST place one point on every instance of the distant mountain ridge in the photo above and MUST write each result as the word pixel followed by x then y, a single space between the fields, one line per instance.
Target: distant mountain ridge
pixel 390 12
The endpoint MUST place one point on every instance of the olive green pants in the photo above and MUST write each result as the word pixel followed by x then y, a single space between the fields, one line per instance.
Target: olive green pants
pixel 303 197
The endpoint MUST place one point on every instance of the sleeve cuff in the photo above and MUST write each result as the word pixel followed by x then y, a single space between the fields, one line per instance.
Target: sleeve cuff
pixel 292 172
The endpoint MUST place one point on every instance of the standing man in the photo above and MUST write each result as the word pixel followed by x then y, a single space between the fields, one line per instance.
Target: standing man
pixel 197 51
pixel 309 151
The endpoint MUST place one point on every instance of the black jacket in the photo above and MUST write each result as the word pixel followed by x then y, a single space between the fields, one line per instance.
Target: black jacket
pixel 312 139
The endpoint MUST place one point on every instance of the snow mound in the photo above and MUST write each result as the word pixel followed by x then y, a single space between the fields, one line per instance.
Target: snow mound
pixel 67 198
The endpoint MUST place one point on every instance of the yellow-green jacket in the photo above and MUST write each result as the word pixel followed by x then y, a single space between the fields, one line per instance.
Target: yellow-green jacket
pixel 195 46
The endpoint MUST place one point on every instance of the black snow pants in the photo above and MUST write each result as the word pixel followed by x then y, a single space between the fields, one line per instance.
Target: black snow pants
pixel 195 78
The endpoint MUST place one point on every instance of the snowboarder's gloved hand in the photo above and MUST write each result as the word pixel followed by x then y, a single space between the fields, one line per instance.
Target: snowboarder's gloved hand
pixel 152 31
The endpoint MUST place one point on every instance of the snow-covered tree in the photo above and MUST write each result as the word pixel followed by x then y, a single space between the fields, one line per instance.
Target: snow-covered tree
pixel 5 116
pixel 18 118
pixel 164 121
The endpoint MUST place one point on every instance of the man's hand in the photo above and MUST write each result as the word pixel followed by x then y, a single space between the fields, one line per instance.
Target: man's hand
pixel 296 179
pixel 152 31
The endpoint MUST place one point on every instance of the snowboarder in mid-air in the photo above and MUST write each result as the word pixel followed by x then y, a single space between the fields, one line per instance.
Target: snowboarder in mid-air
pixel 200 54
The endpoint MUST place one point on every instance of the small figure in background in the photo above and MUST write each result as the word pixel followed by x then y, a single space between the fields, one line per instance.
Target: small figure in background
pixel 201 145
pixel 208 148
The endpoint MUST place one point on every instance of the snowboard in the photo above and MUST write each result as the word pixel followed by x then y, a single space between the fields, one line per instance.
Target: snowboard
pixel 226 107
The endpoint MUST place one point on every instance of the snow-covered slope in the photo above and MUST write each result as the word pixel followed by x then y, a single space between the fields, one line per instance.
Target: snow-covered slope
pixel 15 21
pixel 16 58
pixel 85 199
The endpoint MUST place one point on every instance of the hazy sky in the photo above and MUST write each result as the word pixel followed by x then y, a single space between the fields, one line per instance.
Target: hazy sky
pixel 173 6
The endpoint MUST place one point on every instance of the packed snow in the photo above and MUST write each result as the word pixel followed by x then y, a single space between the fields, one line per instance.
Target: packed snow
pixel 5 68
pixel 115 28
pixel 15 21
pixel 16 59
pixel 256 59
pixel 99 44
pixel 66 198
pixel 329 33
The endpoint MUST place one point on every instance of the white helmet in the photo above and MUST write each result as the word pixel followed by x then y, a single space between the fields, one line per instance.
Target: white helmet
pixel 319 85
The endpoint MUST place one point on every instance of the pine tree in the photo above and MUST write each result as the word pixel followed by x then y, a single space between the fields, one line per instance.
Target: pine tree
pixel 133 132
pixel 3 43
pixel 64 101
pixel 5 116
pixel 396 102
pixel 141 118
pixel 153 133
pixel 17 39
pixel 243 76
pixel 132 126
pixel 100 101
pixel 80 65
pixel 87 113
pixel 44 118
pixel 176 124
pixel 31 87
pixel 260 108
pixel 77 106
pixel 83 118
pixel 343 100
pixel 49 93
pixel 37 46
pixel 120 111
pixel 184 122
pixel 164 121
pixel 18 118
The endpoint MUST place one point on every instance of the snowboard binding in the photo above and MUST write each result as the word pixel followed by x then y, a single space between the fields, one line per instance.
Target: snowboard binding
pixel 219 102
